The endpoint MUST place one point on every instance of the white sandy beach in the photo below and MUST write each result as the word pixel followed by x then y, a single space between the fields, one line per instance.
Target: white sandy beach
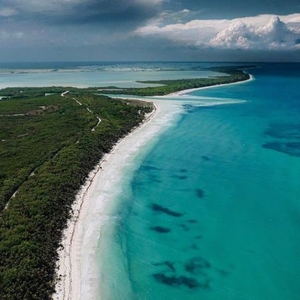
pixel 187 91
pixel 78 265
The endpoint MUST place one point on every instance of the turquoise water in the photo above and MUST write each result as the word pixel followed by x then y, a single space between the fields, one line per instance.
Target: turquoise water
pixel 213 212
pixel 90 74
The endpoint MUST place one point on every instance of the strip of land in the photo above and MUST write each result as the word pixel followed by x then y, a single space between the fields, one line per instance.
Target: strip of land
pixel 188 91
pixel 166 87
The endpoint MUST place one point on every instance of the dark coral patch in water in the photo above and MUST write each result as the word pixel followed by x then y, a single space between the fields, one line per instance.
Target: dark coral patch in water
pixel 183 170
pixel 292 148
pixel 168 264
pixel 154 178
pixel 199 193
pixel 287 135
pixel 160 229
pixel 197 265
pixel 162 209
pixel 194 247
pixel 184 227
pixel 182 177
pixel 150 168
pixel 192 221
pixel 283 131
pixel 223 273
pixel 204 157
pixel 177 281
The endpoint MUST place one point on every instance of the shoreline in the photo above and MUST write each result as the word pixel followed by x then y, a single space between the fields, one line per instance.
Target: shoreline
pixel 187 91
pixel 77 272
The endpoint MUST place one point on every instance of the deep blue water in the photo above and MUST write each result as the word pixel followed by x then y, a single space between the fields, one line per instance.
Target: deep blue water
pixel 214 209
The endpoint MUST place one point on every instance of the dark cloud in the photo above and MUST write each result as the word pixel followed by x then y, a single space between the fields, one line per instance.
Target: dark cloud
pixel 236 8
pixel 145 29
pixel 120 13
pixel 58 12
pixel 107 11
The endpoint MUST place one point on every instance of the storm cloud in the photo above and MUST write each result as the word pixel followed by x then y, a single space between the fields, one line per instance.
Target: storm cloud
pixel 148 30
pixel 57 12
pixel 216 9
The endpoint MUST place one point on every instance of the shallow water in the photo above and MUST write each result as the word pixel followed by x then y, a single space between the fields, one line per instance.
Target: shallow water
pixel 96 74
pixel 210 209
pixel 213 211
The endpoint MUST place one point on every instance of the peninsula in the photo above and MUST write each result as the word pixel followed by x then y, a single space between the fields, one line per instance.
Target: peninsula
pixel 50 140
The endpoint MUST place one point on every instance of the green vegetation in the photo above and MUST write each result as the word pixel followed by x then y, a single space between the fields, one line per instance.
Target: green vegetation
pixel 25 92
pixel 48 146
pixel 234 74
pixel 47 149
pixel 172 86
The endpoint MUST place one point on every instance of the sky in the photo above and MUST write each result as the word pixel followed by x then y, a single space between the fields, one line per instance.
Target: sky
pixel 150 30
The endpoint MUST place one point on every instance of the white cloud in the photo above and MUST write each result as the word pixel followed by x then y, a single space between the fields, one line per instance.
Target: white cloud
pixel 189 33
pixel 262 32
pixel 275 35
pixel 237 35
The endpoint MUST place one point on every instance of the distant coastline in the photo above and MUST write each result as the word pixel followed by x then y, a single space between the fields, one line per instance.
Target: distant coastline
pixel 179 86
pixel 188 91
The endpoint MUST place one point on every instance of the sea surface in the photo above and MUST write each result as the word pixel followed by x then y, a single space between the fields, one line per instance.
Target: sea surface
pixel 211 211
pixel 91 74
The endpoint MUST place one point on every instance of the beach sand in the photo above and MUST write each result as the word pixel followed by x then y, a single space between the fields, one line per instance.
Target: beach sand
pixel 188 91
pixel 78 267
